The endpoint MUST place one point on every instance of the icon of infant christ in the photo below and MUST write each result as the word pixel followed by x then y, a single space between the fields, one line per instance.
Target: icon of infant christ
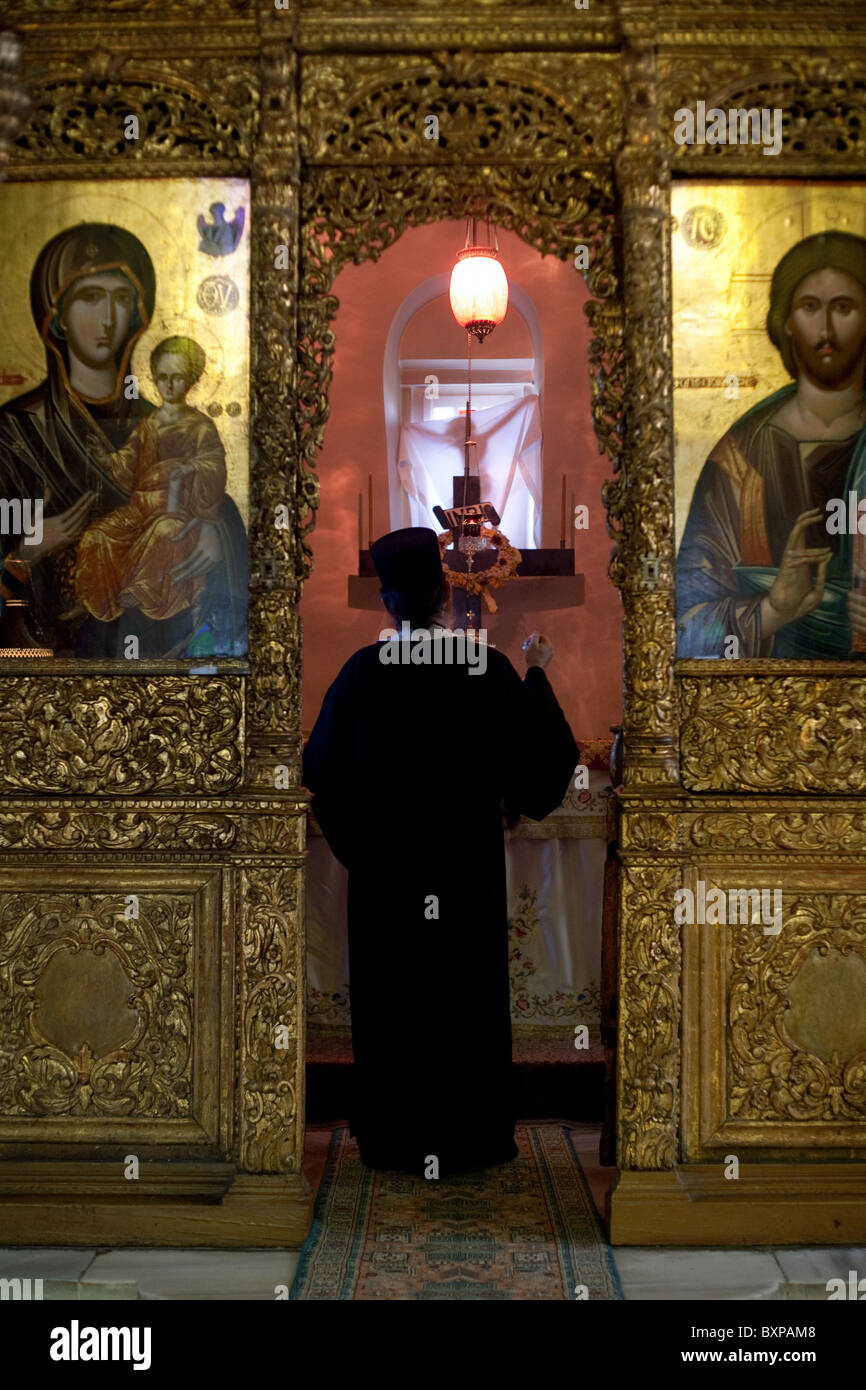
pixel 174 467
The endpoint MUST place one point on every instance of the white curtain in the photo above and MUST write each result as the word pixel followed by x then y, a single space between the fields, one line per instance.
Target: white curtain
pixel 507 457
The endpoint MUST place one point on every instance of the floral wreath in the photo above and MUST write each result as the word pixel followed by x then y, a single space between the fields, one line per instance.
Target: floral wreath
pixel 504 568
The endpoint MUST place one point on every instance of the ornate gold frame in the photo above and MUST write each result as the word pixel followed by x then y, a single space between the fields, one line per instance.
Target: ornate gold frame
pixel 198 800
pixel 696 1051
pixel 557 127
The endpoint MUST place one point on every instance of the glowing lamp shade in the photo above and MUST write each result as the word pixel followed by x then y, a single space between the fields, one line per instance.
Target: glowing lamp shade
pixel 479 291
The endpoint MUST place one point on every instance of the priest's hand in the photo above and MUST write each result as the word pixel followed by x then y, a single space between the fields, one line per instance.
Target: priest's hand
pixel 792 594
pixel 537 650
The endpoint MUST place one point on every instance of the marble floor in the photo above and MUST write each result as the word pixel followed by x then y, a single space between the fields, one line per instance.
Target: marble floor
pixel 654 1273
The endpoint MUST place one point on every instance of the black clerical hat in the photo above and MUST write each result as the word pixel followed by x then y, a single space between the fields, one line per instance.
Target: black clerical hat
pixel 408 559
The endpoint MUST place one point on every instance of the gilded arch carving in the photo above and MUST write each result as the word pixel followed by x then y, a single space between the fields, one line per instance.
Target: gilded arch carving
pixel 369 174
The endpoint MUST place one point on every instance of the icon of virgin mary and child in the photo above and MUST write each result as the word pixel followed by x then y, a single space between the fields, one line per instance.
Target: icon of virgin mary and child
pixel 139 535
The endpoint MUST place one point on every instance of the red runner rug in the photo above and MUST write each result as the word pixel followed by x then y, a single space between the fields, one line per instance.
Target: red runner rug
pixel 523 1230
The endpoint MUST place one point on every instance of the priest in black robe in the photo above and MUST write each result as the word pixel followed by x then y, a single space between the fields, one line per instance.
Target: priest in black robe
pixel 413 770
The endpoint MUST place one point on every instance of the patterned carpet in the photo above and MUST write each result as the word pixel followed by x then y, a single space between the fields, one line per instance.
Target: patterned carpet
pixel 522 1230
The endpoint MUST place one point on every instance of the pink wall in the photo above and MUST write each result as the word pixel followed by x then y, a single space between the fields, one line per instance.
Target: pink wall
pixel 432 332
pixel 586 670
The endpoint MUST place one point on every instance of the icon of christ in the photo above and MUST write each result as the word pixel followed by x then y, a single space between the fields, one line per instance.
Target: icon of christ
pixel 758 560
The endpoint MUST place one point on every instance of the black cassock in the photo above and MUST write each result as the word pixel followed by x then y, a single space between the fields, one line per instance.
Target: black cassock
pixel 409 766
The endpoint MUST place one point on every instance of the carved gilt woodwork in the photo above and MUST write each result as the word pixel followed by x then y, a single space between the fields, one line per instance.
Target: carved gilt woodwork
pixel 775 1023
pixel 559 126
pixel 169 767
pixel 272 1115
pixel 780 733
pixel 804 1058
pixel 366 180
pixel 80 117
pixel 648 1093
pixel 121 734
pixel 103 1021
pixel 744 728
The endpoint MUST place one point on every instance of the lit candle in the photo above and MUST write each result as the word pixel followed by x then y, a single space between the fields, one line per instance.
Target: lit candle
pixel 562 534
pixel 370 508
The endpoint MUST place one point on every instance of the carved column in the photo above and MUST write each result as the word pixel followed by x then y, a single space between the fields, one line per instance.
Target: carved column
pixel 14 101
pixel 644 564
pixel 649 945
pixel 272 969
pixel 276 550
